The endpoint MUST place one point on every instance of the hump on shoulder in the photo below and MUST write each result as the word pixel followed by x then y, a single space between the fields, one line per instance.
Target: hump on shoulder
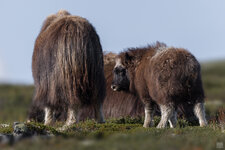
pixel 53 18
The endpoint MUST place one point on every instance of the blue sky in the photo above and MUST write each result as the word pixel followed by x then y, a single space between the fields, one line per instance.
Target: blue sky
pixel 197 25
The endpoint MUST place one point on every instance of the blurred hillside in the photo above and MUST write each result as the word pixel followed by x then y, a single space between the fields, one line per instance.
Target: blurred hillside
pixel 213 76
pixel 14 102
pixel 15 99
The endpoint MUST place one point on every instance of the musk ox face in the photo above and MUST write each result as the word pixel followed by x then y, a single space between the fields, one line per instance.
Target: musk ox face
pixel 120 77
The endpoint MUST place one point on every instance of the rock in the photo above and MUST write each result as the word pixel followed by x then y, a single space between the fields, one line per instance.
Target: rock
pixel 20 129
pixel 23 131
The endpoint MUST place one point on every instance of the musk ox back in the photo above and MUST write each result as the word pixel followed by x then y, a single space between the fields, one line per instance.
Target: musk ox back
pixel 67 67
pixel 168 77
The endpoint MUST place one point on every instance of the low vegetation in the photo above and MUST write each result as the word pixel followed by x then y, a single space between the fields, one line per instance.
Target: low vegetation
pixel 121 133
pixel 213 76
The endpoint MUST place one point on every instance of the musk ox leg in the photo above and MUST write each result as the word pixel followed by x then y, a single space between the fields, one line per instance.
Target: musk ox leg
pixel 71 117
pixel 98 114
pixel 149 114
pixel 166 113
pixel 199 111
pixel 173 120
pixel 48 116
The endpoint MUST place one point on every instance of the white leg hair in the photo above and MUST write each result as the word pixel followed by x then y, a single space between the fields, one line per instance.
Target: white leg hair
pixel 148 118
pixel 166 113
pixel 199 111
pixel 48 116
pixel 98 114
pixel 173 120
pixel 71 117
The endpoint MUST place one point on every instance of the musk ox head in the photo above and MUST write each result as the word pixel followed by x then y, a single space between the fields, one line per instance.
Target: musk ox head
pixel 121 80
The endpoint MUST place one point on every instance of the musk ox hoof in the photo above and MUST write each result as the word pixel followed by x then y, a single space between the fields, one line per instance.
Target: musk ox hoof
pixel 203 124
pixel 66 126
pixel 160 126
pixel 147 125
pixel 63 128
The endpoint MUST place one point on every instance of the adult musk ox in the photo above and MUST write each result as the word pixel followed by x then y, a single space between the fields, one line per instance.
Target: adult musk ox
pixel 67 67
pixel 161 75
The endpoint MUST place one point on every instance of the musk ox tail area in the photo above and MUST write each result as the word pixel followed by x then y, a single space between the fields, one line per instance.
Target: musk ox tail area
pixel 178 74
pixel 67 65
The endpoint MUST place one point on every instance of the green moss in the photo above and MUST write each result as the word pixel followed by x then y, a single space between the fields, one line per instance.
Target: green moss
pixel 39 128
pixel 6 130
pixel 136 138
pixel 117 135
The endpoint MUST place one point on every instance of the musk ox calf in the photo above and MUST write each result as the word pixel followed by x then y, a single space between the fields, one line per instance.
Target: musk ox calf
pixel 161 75
pixel 67 67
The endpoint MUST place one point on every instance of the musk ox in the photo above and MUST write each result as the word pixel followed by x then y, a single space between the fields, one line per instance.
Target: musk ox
pixel 161 75
pixel 116 104
pixel 67 67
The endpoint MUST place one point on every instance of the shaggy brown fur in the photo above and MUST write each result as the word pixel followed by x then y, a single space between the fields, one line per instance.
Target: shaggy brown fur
pixel 169 77
pixel 67 64
pixel 116 104
pixel 50 19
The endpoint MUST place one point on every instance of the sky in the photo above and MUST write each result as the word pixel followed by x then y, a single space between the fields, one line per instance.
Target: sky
pixel 197 25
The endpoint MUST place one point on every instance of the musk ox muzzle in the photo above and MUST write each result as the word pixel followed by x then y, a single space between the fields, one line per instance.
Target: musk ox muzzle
pixel 120 79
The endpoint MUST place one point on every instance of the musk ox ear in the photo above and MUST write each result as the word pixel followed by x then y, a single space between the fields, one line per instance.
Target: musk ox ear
pixel 128 57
